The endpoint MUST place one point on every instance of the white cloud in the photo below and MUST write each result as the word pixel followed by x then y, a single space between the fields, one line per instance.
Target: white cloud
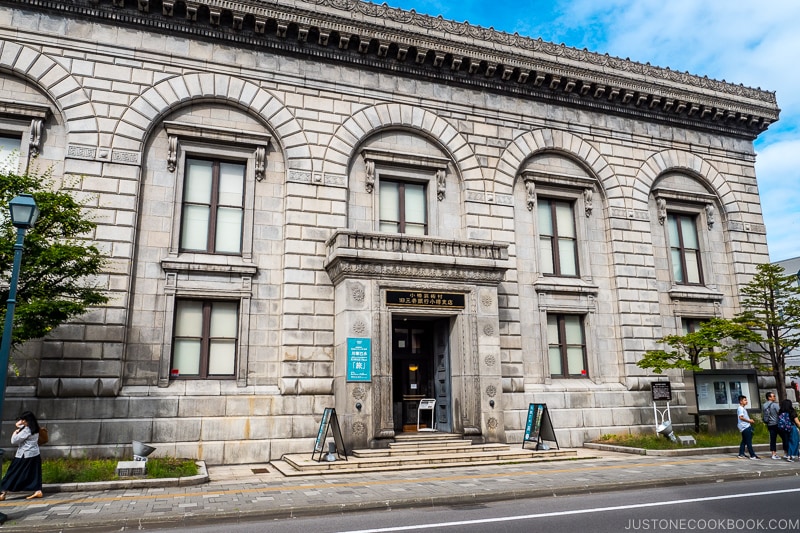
pixel 778 169
pixel 741 42
pixel 780 163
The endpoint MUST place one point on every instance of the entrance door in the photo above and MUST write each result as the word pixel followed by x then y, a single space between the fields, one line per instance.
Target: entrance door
pixel 420 369
pixel 441 383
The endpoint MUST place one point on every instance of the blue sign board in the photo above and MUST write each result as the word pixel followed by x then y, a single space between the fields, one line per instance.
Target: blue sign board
pixel 534 423
pixel 359 359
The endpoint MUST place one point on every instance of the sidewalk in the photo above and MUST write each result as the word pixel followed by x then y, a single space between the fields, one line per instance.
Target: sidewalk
pixel 259 491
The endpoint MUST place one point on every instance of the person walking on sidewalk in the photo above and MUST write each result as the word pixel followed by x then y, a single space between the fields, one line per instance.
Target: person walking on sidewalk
pixel 745 425
pixel 25 471
pixel 788 424
pixel 770 414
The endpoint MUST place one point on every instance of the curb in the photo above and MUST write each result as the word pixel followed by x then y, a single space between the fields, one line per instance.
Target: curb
pixel 122 484
pixel 680 452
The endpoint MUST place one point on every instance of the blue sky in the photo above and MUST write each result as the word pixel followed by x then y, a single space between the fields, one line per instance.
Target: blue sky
pixel 741 41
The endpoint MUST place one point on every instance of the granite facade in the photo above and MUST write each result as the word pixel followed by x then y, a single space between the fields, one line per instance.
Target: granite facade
pixel 128 103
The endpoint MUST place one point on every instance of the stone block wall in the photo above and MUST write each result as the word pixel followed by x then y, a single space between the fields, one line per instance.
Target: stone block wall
pixel 110 105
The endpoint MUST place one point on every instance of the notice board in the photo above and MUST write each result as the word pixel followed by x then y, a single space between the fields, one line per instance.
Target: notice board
pixel 328 425
pixel 359 359
pixel 661 391
pixel 539 427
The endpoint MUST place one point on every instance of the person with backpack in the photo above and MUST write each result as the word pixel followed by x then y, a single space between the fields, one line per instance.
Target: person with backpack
pixel 787 425
pixel 770 415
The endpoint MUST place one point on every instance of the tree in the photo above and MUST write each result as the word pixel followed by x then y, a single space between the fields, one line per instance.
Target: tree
pixel 771 313
pixel 56 281
pixel 763 334
pixel 708 342
pixel 714 340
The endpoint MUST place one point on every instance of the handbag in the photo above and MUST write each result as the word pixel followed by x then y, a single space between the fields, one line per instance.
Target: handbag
pixel 43 436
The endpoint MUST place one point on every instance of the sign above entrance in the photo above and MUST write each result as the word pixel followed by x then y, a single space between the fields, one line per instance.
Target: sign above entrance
pixel 438 300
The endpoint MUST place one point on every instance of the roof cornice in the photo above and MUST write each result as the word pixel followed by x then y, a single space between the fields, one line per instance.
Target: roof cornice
pixel 409 43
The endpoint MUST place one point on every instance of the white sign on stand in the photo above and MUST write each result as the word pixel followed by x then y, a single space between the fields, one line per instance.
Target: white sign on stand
pixel 427 404
pixel 662 391
pixel 662 416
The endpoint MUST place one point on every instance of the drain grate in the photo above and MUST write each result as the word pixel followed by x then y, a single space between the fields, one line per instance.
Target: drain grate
pixel 260 470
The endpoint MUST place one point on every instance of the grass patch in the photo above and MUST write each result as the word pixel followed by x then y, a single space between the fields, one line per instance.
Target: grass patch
pixel 72 470
pixel 651 441
pixel 161 467
pixel 81 470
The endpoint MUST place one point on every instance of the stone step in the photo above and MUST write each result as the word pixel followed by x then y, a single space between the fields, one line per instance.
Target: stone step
pixel 427 436
pixel 302 464
pixel 408 449
pixel 423 438
pixel 421 443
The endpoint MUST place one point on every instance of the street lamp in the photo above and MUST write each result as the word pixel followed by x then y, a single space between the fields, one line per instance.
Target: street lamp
pixel 24 213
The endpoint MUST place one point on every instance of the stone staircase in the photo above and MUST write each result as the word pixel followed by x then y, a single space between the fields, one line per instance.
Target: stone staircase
pixel 417 451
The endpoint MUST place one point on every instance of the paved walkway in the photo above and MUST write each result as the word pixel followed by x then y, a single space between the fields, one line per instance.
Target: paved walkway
pixel 260 491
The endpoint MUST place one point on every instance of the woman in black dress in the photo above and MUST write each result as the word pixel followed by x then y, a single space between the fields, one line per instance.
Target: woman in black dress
pixel 25 472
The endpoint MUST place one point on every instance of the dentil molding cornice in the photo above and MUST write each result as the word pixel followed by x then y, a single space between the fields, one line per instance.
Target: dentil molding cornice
pixel 409 43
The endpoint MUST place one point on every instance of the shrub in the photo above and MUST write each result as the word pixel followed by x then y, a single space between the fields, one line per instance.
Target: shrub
pixel 83 470
pixel 652 441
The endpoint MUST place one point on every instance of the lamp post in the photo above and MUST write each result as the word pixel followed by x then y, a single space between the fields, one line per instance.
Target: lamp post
pixel 24 213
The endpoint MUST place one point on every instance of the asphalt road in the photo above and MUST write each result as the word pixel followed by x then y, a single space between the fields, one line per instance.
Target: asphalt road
pixel 742 506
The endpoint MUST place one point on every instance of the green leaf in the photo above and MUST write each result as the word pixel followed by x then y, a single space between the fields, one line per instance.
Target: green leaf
pixel 60 265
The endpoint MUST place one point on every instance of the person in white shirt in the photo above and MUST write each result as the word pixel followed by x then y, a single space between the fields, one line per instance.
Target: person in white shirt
pixel 25 471
pixel 745 425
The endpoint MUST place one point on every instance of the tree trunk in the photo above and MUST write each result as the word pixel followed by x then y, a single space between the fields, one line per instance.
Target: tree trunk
pixel 780 383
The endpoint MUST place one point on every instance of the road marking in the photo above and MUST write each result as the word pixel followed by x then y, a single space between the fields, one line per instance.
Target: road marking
pixel 567 513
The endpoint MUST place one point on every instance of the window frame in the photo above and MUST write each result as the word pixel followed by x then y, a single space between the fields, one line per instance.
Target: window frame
pixel 181 285
pixel 563 346
pixel 680 247
pixel 431 171
pixel 199 142
pixel 556 238
pixel 401 200
pixel 26 121
pixel 581 191
pixel 205 340
pixel 665 201
pixel 214 206
pixel 13 167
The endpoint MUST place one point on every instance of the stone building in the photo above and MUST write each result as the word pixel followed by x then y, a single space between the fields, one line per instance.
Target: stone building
pixel 318 203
